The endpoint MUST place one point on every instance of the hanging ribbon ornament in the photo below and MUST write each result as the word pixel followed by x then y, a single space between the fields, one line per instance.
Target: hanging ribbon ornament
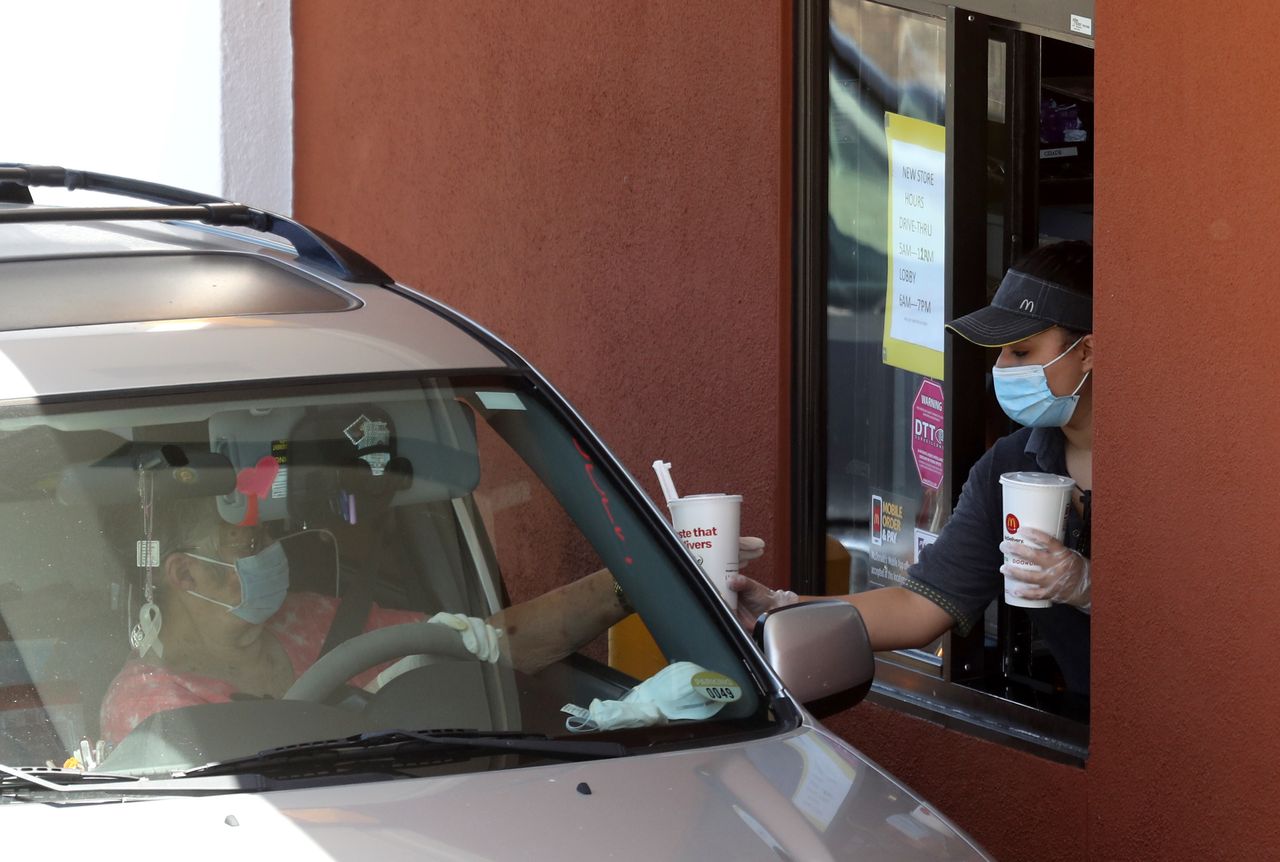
pixel 145 636
pixel 147 631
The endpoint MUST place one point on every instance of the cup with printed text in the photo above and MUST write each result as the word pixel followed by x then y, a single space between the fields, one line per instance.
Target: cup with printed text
pixel 707 525
pixel 1037 500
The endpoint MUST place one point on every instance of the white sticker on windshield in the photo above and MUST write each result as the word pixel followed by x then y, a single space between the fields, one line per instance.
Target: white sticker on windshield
pixel 366 432
pixel 377 462
pixel 500 400
pixel 280 487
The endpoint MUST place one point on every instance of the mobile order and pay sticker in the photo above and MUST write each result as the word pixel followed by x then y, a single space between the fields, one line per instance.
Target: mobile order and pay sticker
pixel 716 687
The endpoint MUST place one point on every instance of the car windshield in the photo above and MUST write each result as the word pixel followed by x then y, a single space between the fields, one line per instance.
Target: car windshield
pixel 190 578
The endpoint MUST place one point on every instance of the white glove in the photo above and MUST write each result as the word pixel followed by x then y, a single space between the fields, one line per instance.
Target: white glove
pixel 480 638
pixel 749 548
pixel 755 598
pixel 1062 576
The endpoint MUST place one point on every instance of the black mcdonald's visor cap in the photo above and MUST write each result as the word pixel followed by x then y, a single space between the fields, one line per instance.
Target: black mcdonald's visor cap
pixel 1022 307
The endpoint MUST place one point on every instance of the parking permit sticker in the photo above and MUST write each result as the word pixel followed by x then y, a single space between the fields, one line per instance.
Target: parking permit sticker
pixel 365 432
pixel 716 687
pixel 280 451
pixel 377 462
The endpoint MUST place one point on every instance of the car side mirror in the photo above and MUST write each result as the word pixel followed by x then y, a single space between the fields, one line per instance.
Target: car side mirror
pixel 821 652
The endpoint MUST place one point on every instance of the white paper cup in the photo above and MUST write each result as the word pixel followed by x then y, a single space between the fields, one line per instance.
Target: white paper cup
pixel 707 525
pixel 1037 500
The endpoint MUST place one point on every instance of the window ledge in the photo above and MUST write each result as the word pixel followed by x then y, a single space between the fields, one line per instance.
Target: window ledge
pixel 978 713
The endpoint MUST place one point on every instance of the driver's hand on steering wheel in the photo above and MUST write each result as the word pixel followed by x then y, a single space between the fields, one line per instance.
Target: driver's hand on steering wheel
pixel 480 638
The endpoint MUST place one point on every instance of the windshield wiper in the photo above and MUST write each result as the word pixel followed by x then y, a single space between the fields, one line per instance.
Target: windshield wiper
pixel 406 745
pixel 70 780
pixel 68 783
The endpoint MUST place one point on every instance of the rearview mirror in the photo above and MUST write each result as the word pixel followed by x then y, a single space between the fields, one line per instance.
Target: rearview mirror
pixel 821 651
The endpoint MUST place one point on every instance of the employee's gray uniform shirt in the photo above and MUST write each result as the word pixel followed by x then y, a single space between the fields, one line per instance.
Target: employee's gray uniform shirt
pixel 960 572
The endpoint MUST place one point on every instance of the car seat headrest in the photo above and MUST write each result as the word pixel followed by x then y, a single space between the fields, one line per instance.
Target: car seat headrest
pixel 343 465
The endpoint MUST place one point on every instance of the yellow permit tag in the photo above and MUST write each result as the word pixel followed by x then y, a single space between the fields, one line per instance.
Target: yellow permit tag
pixel 715 686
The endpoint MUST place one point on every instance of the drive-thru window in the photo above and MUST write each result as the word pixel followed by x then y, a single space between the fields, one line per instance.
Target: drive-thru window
pixel 935 146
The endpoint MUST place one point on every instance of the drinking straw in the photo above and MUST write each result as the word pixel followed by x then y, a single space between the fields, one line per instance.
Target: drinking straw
pixel 663 469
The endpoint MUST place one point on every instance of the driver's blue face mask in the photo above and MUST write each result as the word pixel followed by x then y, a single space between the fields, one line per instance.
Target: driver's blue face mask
pixel 1024 394
pixel 264 583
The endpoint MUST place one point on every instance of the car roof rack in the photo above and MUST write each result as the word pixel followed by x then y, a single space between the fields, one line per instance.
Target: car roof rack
pixel 313 247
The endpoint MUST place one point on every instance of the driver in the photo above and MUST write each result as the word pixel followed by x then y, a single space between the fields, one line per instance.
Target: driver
pixel 229 627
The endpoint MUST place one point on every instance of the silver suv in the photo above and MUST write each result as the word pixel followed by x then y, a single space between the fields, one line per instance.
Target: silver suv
pixel 295 551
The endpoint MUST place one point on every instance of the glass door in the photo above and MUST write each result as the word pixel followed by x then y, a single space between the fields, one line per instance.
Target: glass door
pixel 943 145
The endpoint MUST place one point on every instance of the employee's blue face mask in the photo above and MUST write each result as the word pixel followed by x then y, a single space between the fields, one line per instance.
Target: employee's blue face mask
pixel 1024 394
pixel 264 583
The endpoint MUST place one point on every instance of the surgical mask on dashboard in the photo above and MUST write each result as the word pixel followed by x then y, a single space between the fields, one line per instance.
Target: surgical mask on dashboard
pixel 679 691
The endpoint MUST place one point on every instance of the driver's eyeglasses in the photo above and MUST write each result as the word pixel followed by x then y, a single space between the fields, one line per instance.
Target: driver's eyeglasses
pixel 229 543
pixel 232 544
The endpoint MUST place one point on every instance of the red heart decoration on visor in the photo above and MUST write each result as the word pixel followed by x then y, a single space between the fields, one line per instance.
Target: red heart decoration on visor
pixel 255 483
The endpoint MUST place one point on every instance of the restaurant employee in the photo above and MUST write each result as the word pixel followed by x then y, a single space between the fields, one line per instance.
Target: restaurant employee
pixel 1041 319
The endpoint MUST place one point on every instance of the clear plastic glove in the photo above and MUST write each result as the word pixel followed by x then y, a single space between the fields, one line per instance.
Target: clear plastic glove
pixel 755 598
pixel 749 548
pixel 1064 574
pixel 480 638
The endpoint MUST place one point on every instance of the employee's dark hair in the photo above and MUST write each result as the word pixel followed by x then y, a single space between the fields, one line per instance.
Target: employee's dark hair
pixel 1068 264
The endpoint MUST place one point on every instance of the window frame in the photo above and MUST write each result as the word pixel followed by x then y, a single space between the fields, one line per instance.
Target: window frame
pixel 906 681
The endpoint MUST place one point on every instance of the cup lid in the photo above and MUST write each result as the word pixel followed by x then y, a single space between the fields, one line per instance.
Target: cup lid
pixel 1038 480
pixel 696 498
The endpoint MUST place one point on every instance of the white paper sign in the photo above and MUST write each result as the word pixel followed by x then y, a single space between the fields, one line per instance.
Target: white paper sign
pixel 918 191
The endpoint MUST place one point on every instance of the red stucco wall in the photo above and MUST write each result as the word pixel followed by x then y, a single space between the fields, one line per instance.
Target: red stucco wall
pixel 1185 699
pixel 1019 806
pixel 606 186
pixel 599 184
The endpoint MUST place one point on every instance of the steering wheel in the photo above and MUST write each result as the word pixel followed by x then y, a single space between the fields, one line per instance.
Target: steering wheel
pixel 372 649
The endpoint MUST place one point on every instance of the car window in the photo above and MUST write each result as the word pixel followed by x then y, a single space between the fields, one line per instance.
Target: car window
pixel 198 576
